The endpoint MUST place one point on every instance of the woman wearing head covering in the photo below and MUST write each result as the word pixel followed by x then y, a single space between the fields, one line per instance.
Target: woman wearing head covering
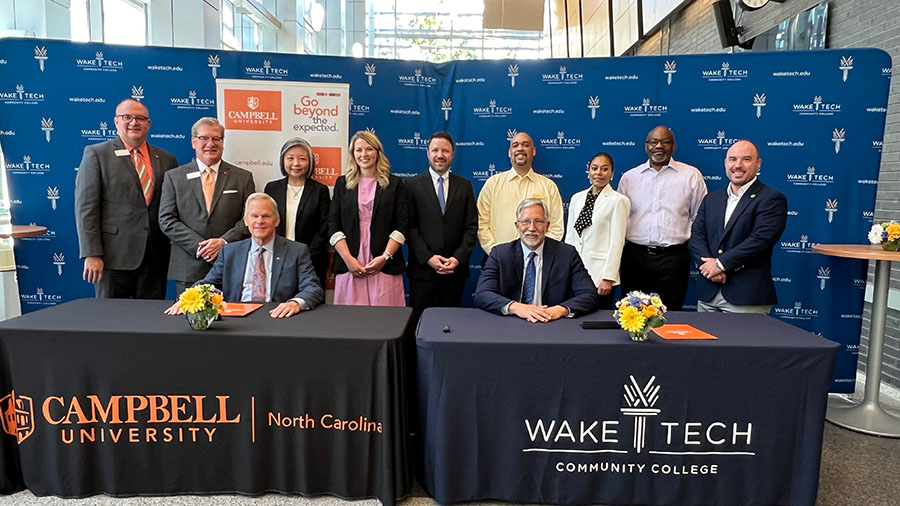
pixel 303 202
pixel 596 227
pixel 367 225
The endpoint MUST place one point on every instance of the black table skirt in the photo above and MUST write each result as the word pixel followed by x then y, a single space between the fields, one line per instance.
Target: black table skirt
pixel 516 411
pixel 112 396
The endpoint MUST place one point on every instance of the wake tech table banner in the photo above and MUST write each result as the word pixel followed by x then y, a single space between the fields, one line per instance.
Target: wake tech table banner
pixel 818 117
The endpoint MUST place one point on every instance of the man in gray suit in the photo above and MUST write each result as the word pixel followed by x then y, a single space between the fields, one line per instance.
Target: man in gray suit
pixel 117 193
pixel 202 204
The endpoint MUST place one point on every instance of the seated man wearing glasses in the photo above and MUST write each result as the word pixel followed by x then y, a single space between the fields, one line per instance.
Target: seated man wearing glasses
pixel 117 193
pixel 536 278
pixel 202 205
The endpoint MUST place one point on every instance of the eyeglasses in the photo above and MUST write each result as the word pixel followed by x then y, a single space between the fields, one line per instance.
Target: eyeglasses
pixel 538 222
pixel 203 138
pixel 127 118
pixel 664 142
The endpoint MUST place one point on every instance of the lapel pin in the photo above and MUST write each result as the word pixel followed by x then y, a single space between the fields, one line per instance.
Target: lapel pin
pixel 277 258
pixel 752 195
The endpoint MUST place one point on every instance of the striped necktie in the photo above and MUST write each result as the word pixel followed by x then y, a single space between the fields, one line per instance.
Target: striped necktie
pixel 143 174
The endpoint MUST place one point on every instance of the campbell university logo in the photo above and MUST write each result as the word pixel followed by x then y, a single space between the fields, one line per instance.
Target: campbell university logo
pixel 646 109
pixel 47 127
pixel 446 106
pixel 810 178
pixel 652 434
pixel 417 79
pixel 845 67
pixel 18 416
pixel 759 101
pixel 560 142
pixel 724 73
pixel 818 107
pixel 267 71
pixel 562 77
pixel 593 105
pixel 493 110
pixel 513 72
pixel 831 207
pixel 213 63
pixel 21 96
pixel 719 142
pixel 40 54
pixel 99 63
pixel 669 71
pixel 824 274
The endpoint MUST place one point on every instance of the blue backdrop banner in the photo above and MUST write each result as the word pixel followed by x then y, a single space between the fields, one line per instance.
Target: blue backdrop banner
pixel 818 118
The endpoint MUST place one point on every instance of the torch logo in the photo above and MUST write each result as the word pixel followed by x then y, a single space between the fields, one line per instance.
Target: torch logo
pixel 640 402
pixel 846 66
pixel 837 137
pixel 446 106
pixel 759 101
pixel 213 63
pixel 53 196
pixel 669 70
pixel 512 71
pixel 137 92
pixel 59 260
pixel 40 54
pixel 831 207
pixel 47 127
pixel 593 105
pixel 370 72
pixel 823 275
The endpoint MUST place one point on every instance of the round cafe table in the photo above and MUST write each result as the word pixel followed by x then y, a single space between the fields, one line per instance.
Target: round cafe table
pixel 867 416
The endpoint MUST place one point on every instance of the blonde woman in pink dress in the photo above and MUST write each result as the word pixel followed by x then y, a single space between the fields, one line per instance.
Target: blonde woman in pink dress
pixel 367 225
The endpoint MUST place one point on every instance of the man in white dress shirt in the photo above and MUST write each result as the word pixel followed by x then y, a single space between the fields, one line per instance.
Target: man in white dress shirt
pixel 665 196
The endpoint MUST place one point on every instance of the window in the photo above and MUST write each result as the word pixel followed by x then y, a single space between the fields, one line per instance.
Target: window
pixel 230 33
pixel 78 18
pixel 124 22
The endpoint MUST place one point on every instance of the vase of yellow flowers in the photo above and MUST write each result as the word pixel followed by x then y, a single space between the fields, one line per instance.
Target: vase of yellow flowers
pixel 201 305
pixel 639 312
pixel 886 234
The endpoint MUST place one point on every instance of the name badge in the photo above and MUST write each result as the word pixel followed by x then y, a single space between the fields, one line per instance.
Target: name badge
pixel 122 152
pixel 193 175
pixel 539 196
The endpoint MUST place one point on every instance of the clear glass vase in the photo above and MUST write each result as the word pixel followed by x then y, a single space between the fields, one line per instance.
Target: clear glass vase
pixel 200 320
pixel 639 335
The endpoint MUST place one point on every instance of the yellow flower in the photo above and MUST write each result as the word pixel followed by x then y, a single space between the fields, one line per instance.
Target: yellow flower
pixel 650 311
pixel 191 301
pixel 893 231
pixel 656 301
pixel 631 319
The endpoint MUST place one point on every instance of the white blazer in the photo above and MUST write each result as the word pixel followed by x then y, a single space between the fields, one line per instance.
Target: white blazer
pixel 600 244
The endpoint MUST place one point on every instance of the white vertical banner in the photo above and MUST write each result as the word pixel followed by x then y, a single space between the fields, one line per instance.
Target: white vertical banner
pixel 259 116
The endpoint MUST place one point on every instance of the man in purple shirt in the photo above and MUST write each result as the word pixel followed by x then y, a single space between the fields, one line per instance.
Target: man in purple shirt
pixel 665 196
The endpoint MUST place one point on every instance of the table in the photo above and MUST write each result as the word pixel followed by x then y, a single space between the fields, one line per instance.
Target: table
pixel 868 416
pixel 551 413
pixel 9 284
pixel 112 396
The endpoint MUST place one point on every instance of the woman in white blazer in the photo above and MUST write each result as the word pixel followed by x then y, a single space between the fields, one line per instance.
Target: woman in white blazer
pixel 596 227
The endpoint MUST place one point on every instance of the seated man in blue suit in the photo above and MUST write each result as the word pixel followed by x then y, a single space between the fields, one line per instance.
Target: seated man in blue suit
pixel 733 236
pixel 534 277
pixel 266 267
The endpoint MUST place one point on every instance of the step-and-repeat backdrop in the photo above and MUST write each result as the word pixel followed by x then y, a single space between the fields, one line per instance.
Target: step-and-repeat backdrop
pixel 818 118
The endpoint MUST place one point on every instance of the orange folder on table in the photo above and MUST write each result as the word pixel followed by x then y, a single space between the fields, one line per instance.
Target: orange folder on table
pixel 681 331
pixel 240 308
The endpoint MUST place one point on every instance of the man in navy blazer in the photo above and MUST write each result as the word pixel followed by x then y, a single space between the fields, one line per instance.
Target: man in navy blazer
pixel 534 277
pixel 289 274
pixel 733 236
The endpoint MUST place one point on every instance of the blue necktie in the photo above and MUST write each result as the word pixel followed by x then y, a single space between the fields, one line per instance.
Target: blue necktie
pixel 441 200
pixel 528 290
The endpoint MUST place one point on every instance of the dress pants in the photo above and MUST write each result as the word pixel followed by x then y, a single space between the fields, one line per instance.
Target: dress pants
pixel 664 270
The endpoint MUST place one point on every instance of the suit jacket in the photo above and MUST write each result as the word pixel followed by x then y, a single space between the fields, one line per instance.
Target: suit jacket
pixel 600 245
pixel 564 280
pixel 183 216
pixel 112 218
pixel 389 214
pixel 311 221
pixel 743 246
pixel 452 234
pixel 292 272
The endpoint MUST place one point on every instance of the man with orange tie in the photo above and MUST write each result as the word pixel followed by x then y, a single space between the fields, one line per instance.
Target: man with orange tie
pixel 117 192
pixel 202 204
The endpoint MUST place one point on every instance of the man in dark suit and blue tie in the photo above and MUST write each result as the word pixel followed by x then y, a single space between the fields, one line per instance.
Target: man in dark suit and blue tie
pixel 534 277
pixel 733 236
pixel 443 223
pixel 202 204
pixel 266 267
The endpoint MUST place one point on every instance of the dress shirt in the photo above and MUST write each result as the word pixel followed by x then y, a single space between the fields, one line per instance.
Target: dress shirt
pixel 501 195
pixel 292 202
pixel 215 168
pixel 734 199
pixel 664 203
pixel 434 182
pixel 144 153
pixel 247 291
pixel 538 267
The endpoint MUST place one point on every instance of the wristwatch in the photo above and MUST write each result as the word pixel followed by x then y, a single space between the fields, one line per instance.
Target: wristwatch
pixel 387 256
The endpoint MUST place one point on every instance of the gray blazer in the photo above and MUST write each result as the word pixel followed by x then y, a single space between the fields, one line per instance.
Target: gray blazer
pixel 183 216
pixel 112 218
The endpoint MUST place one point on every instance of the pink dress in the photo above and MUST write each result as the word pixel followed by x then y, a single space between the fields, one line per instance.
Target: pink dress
pixel 379 289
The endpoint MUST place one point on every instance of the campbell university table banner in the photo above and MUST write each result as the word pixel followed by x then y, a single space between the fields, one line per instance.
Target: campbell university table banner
pixel 818 117
pixel 112 396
